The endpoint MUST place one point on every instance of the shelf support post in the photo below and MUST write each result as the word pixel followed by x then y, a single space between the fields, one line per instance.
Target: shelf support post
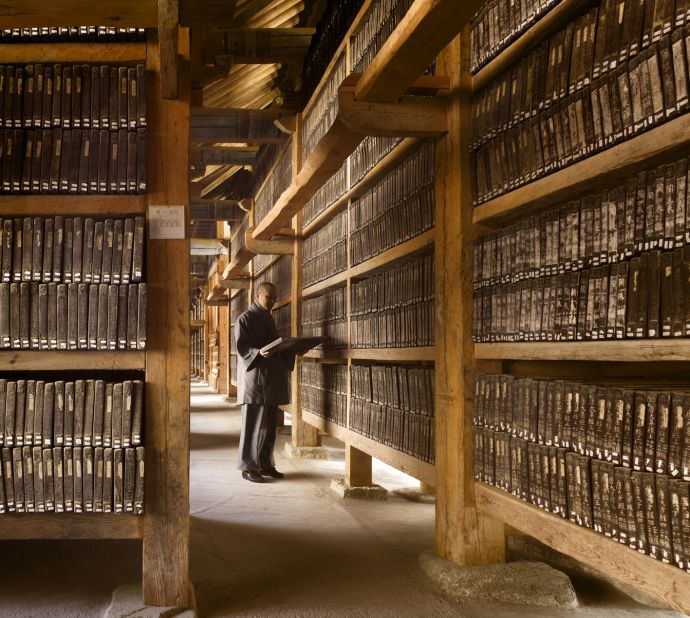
pixel 303 434
pixel 357 467
pixel 166 519
pixel 463 534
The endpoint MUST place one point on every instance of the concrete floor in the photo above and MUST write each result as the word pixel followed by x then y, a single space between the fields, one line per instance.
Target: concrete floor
pixel 286 548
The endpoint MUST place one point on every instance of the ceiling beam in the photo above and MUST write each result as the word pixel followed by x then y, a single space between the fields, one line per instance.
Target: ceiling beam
pixel 38 13
pixel 216 210
pixel 256 46
pixel 208 13
pixel 223 155
pixel 238 126
pixel 428 26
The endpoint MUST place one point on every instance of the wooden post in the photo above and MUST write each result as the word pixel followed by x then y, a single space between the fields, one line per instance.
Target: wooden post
pixel 166 521
pixel 303 434
pixel 357 467
pixel 463 534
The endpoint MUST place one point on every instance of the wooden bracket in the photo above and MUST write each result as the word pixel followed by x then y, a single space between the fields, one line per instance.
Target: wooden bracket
pixel 268 247
pixel 408 117
pixel 246 204
pixel 287 124
pixel 239 283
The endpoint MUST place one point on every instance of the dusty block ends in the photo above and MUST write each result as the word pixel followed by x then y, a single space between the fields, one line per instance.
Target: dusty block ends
pixel 305 452
pixel 524 583
pixel 127 602
pixel 375 493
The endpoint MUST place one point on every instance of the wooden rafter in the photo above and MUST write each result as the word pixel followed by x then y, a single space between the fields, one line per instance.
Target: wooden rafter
pixel 256 45
pixel 247 126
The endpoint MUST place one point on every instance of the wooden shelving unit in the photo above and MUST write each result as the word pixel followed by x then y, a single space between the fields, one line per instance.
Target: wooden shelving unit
pixel 358 117
pixel 408 464
pixel 164 526
pixel 615 359
pixel 605 169
pixel 668 584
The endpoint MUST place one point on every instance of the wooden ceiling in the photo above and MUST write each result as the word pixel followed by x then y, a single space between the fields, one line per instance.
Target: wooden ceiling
pixel 269 38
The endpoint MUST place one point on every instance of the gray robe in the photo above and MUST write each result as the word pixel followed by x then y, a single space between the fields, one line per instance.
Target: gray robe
pixel 260 380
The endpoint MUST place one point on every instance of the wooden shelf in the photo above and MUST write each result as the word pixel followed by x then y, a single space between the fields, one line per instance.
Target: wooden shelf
pixel 557 18
pixel 410 355
pixel 46 205
pixel 72 52
pixel 408 248
pixel 71 360
pixel 385 165
pixel 601 170
pixel 69 526
pixel 335 281
pixel 421 470
pixel 282 303
pixel 664 582
pixel 626 350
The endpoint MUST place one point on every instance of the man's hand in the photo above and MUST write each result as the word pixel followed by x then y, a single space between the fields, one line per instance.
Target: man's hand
pixel 266 354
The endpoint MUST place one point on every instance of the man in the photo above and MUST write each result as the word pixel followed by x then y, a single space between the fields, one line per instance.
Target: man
pixel 262 385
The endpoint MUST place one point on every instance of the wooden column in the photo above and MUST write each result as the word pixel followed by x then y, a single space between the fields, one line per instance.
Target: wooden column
pixel 166 521
pixel 223 385
pixel 303 434
pixel 357 467
pixel 463 534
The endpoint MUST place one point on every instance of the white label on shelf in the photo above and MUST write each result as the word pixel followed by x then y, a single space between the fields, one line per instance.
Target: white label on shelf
pixel 166 222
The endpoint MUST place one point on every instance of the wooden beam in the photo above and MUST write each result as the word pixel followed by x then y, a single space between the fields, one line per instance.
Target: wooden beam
pixel 38 13
pixel 205 246
pixel 207 13
pixel 463 534
pixel 268 247
pixel 408 117
pixel 241 283
pixel 225 175
pixel 166 520
pixel 168 32
pixel 256 46
pixel 49 53
pixel 357 467
pixel 428 26
pixel 216 210
pixel 224 155
pixel 246 126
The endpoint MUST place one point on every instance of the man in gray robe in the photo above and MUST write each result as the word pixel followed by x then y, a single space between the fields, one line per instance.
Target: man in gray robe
pixel 262 385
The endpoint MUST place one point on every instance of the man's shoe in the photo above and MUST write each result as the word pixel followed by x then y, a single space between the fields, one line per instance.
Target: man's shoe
pixel 273 473
pixel 252 476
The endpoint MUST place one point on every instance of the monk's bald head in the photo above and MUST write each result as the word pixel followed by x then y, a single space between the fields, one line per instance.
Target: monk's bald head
pixel 266 295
